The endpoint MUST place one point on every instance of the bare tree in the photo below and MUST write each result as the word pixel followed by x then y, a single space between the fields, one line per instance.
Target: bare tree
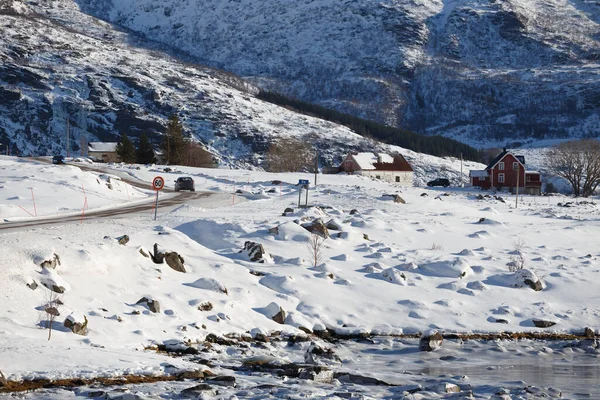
pixel 194 155
pixel 290 155
pixel 579 163
pixel 50 311
pixel 517 259
pixel 315 248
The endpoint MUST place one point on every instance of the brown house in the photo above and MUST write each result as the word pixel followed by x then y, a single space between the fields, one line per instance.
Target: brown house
pixel 507 170
pixel 103 151
pixel 393 169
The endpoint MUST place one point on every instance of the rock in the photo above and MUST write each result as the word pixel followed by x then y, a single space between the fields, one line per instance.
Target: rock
pixel 158 257
pixel 51 263
pixel 205 306
pixel 175 261
pixel 192 374
pixel 540 323
pixel 123 240
pixel 394 276
pixel 345 377
pixel 274 231
pixel 333 225
pixel 530 279
pixel 481 220
pixel 317 227
pixel 198 391
pixel 52 311
pixel 209 284
pixel 589 333
pixel 256 252
pixel 142 252
pixel 222 380
pixel 279 317
pixel 276 182
pixel 316 354
pixel 501 321
pixel 398 199
pixel 77 324
pixel 320 374
pixel 32 285
pixel 430 341
pixel 153 305
pixel 366 237
pixel 353 211
pixel 259 335
pixel 288 210
pixel 424 195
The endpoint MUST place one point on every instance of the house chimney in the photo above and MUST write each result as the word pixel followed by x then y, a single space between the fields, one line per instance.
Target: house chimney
pixel 504 149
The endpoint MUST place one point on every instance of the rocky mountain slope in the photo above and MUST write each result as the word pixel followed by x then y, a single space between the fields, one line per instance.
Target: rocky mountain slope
pixel 59 63
pixel 484 72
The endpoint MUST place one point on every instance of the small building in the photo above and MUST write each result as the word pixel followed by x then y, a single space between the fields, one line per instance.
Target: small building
pixel 103 151
pixel 393 169
pixel 507 171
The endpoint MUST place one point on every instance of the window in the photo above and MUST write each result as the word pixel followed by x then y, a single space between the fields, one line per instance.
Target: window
pixel 500 178
pixel 515 166
pixel 377 176
pixel 397 179
pixel 501 166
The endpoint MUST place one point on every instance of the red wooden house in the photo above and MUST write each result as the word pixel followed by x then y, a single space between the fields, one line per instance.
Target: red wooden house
pixel 507 171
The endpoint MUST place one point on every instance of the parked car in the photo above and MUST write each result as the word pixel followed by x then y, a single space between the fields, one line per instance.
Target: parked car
pixel 439 182
pixel 58 160
pixel 184 183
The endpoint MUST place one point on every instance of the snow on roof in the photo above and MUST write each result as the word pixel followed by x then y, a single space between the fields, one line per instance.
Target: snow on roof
pixel 533 172
pixel 365 160
pixel 102 146
pixel 478 172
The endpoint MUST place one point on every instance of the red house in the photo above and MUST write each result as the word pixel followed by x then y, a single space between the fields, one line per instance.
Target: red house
pixel 507 170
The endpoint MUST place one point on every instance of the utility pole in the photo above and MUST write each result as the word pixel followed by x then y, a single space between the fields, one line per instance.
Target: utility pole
pixel 316 165
pixel 518 175
pixel 462 183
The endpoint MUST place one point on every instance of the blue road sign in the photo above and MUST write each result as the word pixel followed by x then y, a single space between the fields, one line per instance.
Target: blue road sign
pixel 303 182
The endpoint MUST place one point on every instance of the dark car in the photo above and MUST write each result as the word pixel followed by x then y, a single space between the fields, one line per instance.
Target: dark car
pixel 58 160
pixel 439 182
pixel 184 183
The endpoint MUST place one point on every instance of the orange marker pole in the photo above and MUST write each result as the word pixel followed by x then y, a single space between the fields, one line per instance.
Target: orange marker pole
pixel 33 198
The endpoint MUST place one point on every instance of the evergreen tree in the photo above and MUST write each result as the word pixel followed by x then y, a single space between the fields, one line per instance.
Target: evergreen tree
pixel 144 153
pixel 125 149
pixel 173 143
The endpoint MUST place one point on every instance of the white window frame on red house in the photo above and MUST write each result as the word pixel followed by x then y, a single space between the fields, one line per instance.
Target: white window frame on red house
pixel 515 166
pixel 501 165
pixel 500 178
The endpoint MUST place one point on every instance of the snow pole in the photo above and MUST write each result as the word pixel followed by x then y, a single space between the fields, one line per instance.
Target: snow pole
pixel 33 198
pixel 85 202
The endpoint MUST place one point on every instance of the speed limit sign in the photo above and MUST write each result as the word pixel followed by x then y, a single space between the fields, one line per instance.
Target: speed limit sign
pixel 158 183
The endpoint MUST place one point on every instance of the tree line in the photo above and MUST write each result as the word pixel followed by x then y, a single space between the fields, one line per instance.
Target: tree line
pixel 435 145
pixel 176 149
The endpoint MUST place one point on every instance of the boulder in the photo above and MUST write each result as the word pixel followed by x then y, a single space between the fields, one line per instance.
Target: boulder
pixel 430 341
pixel 205 306
pixel 316 354
pixel 288 210
pixel 279 317
pixel 51 263
pixel 444 387
pixel 541 323
pixel 274 231
pixel 209 284
pixel 256 252
pixel 158 257
pixel 142 252
pixel 530 279
pixel 276 182
pixel 398 199
pixel 77 323
pixel 175 261
pixel 259 335
pixel 333 225
pixel 153 305
pixel 353 211
pixel 394 276
pixel 32 285
pixel 589 333
pixel 123 240
pixel 317 227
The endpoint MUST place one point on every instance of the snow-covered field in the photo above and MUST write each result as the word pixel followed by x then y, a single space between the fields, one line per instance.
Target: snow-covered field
pixel 441 261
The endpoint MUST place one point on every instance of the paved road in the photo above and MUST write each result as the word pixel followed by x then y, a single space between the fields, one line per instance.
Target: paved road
pixel 171 200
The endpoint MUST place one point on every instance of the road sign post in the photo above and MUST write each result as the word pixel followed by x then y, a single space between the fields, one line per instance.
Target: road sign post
pixel 157 184
pixel 303 184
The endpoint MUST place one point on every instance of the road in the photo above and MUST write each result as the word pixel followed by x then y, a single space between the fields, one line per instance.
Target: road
pixel 174 198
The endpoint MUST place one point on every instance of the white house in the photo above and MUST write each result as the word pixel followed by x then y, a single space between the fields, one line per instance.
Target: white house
pixel 393 169
pixel 103 151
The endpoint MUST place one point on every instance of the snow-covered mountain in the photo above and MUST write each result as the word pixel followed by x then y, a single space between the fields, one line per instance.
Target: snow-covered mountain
pixel 58 62
pixel 484 72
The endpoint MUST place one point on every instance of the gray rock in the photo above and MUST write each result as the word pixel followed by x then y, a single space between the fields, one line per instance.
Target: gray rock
pixel 205 306
pixel 78 328
pixel 153 305
pixel 589 333
pixel 51 263
pixel 353 211
pixel 288 210
pixel 279 317
pixel 318 227
pixel 540 323
pixel 142 252
pixel 333 225
pixel 123 240
pixel 175 261
pixel 537 285
pixel 256 251
pixel 398 199
pixel 431 341
pixel 274 231
pixel 316 354
pixel 32 285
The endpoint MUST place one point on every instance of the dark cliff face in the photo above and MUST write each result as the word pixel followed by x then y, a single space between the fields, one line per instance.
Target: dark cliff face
pixel 480 71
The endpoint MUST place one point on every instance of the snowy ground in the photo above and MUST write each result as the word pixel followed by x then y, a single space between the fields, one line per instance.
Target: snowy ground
pixel 389 268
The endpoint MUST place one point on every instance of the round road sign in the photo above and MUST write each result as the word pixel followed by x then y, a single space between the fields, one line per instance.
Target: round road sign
pixel 158 183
